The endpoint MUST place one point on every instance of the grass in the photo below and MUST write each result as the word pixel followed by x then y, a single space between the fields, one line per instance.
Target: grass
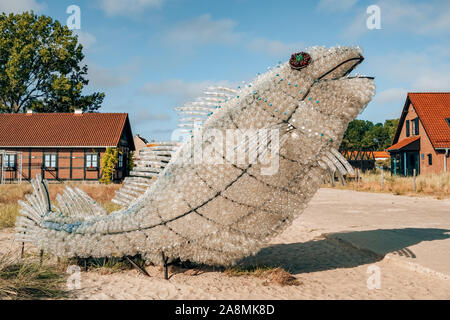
pixel 26 279
pixel 274 275
pixel 11 193
pixel 8 214
pixel 436 185
pixel 107 265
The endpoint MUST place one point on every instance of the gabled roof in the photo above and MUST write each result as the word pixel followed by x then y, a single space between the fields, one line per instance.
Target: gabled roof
pixel 433 108
pixel 141 138
pixel 63 129
pixel 403 143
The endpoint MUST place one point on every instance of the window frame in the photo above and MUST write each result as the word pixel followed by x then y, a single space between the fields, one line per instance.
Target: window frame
pixel 7 161
pixel 89 159
pixel 52 161
pixel 120 161
pixel 416 126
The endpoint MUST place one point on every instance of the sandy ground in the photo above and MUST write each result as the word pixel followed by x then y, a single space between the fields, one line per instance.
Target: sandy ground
pixel 326 267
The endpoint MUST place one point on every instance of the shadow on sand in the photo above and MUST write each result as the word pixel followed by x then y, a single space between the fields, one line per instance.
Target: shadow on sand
pixel 331 252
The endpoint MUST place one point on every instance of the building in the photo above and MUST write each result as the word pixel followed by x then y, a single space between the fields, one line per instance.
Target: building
pixel 139 143
pixel 422 139
pixel 62 146
pixel 381 155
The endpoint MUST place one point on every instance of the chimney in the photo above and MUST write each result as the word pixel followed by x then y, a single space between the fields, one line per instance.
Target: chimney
pixel 30 111
pixel 78 111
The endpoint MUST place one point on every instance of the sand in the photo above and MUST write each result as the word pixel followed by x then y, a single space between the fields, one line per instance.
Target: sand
pixel 325 267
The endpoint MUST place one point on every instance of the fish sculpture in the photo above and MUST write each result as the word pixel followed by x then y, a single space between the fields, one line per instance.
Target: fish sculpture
pixel 217 212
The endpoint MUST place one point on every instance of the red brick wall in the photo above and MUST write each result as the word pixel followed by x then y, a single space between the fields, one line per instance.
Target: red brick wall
pixel 33 160
pixel 426 146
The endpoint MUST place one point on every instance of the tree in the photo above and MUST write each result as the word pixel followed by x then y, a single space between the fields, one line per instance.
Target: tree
pixel 354 134
pixel 392 128
pixel 364 135
pixel 377 138
pixel 40 66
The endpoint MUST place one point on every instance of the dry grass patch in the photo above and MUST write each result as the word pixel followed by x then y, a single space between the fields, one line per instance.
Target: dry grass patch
pixel 269 274
pixel 8 214
pixel 436 185
pixel 26 279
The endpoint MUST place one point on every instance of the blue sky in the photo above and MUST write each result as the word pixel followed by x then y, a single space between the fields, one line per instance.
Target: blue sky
pixel 149 56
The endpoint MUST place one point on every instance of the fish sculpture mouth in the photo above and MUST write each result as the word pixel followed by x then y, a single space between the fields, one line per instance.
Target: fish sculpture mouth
pixel 357 61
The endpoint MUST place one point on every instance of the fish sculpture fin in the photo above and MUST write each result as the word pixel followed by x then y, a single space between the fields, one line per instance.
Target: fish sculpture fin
pixel 151 162
pixel 334 162
pixel 73 203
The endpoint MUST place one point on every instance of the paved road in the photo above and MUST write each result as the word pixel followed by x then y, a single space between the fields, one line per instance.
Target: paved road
pixel 410 230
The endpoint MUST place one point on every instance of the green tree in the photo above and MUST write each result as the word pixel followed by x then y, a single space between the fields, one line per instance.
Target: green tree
pixel 354 134
pixel 364 135
pixel 40 66
pixel 376 138
pixel 392 128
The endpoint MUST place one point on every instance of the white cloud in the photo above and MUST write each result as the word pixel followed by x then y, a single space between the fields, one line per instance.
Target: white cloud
pixel 333 5
pixel 127 7
pixel 433 80
pixel 143 116
pixel 391 95
pixel 106 78
pixel 18 6
pixel 274 48
pixel 180 90
pixel 85 38
pixel 418 69
pixel 203 30
pixel 425 18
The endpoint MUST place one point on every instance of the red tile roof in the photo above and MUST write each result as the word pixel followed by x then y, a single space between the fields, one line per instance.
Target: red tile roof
pixel 433 109
pixel 380 154
pixel 61 129
pixel 403 143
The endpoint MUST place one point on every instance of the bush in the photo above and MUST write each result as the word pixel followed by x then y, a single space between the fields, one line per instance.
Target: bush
pixel 109 161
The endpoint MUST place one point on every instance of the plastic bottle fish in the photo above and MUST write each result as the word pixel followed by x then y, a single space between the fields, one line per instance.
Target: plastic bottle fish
pixel 217 212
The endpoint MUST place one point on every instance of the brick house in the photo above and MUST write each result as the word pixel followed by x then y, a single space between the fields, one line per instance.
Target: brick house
pixel 422 139
pixel 62 146
pixel 139 143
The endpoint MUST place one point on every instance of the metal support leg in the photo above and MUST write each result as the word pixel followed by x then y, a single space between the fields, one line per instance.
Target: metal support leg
pixel 166 270
pixel 134 264
pixel 41 257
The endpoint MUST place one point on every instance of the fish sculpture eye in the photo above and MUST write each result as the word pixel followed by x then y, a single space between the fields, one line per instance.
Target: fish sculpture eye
pixel 299 60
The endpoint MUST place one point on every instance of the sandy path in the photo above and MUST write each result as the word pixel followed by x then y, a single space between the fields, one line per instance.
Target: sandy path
pixel 326 268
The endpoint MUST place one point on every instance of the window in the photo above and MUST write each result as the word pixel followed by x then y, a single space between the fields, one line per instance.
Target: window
pixel 50 160
pixel 120 160
pixel 91 160
pixel 407 128
pixel 448 121
pixel 430 159
pixel 416 126
pixel 9 160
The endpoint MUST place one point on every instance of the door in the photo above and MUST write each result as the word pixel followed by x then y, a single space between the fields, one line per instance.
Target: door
pixel 412 162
